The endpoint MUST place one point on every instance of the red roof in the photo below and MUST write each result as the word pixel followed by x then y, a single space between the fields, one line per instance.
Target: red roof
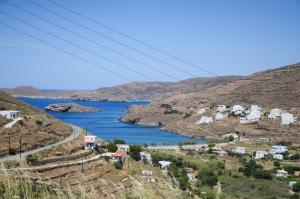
pixel 119 154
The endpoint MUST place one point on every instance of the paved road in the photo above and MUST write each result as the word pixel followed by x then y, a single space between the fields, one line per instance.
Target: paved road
pixel 75 134
pixel 9 125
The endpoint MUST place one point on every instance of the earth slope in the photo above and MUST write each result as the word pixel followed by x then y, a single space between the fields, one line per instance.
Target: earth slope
pixel 277 88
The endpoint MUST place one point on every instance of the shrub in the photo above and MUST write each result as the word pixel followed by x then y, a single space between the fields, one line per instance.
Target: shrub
pixel 31 158
pixel 98 149
pixel 12 151
pixel 291 169
pixel 118 141
pixel 296 187
pixel 183 183
pixel 211 145
pixel 39 122
pixel 135 152
pixel 118 165
pixel 111 147
pixel 276 164
pixel 262 174
pixel 186 115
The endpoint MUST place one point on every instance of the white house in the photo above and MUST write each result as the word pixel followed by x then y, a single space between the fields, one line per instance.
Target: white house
pixel 260 154
pixel 240 150
pixel 287 118
pixel 205 120
pixel 282 173
pixel 201 111
pixel 146 158
pixel 164 164
pixel 221 108
pixel 234 135
pixel 90 142
pixel 123 147
pixel 237 109
pixel 253 116
pixel 274 113
pixel 10 114
pixel 220 116
pixel 278 149
pixel 264 139
pixel 278 156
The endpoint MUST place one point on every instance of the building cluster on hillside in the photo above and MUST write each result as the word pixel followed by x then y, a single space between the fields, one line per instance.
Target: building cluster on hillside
pixel 10 114
pixel 246 116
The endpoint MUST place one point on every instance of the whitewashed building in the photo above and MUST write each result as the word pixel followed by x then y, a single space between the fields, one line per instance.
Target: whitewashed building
pixel 146 158
pixel 278 156
pixel 205 120
pixel 260 154
pixel 220 116
pixel 164 164
pixel 274 113
pixel 287 118
pixel 277 149
pixel 264 139
pixel 10 114
pixel 123 147
pixel 90 142
pixel 282 173
pixel 240 150
pixel 221 109
pixel 234 135
pixel 237 109
pixel 192 176
pixel 253 116
pixel 201 111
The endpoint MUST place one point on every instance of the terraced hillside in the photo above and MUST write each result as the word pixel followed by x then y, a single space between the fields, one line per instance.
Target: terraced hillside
pixel 35 130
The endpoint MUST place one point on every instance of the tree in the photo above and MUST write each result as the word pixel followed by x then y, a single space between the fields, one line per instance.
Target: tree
pixel 183 183
pixel 111 147
pixel 118 165
pixel 118 141
pixel 135 152
pixel 262 174
pixel 276 164
pixel 296 187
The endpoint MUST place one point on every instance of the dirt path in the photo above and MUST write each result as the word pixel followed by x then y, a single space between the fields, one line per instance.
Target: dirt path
pixel 75 134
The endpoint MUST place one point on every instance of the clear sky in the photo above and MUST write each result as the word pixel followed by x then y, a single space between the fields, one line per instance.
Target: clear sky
pixel 224 37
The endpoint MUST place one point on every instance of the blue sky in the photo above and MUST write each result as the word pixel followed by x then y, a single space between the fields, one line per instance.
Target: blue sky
pixel 224 37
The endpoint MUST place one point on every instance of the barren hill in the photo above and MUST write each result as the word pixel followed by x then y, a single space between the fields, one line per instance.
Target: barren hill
pixel 134 90
pixel 36 129
pixel 277 88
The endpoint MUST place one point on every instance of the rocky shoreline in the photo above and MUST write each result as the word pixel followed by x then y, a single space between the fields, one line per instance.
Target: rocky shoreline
pixel 70 107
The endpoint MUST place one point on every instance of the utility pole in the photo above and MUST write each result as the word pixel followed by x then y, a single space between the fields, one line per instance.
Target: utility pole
pixel 20 150
pixel 9 144
pixel 82 164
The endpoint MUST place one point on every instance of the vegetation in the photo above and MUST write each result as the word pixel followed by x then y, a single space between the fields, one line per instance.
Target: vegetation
pixel 111 147
pixel 118 141
pixel 251 168
pixel 39 122
pixel 296 187
pixel 135 152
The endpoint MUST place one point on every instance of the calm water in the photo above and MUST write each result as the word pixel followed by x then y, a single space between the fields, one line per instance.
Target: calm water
pixel 106 125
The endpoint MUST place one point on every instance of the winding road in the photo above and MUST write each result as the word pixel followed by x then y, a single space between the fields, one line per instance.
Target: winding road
pixel 76 132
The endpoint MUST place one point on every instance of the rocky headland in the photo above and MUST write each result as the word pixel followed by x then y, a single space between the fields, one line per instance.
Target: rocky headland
pixel 70 107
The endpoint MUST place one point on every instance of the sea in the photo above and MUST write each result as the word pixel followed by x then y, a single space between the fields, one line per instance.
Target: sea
pixel 106 124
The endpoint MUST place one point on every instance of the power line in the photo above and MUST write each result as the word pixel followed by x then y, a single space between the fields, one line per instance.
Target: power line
pixel 65 51
pixel 93 41
pixel 130 37
pixel 111 39
pixel 78 46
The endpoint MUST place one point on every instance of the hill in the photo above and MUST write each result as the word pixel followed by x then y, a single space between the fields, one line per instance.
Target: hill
pixel 35 130
pixel 277 88
pixel 134 90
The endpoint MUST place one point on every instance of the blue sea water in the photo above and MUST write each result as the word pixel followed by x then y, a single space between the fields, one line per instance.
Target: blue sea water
pixel 106 124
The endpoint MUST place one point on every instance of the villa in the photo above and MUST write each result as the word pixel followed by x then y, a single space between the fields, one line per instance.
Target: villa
pixel 205 120
pixel 90 142
pixel 220 116
pixel 274 113
pixel 278 149
pixel 240 150
pixel 123 147
pixel 263 139
pixel 10 114
pixel 260 154
pixel 234 135
pixel 146 158
pixel 278 156
pixel 221 108
pixel 164 164
pixel 287 118
pixel 282 173
pixel 237 109
pixel 253 116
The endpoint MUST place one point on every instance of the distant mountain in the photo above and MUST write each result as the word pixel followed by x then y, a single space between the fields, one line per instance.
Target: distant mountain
pixel 276 88
pixel 134 90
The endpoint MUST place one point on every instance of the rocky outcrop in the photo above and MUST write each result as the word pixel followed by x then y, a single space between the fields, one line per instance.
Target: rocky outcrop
pixel 70 107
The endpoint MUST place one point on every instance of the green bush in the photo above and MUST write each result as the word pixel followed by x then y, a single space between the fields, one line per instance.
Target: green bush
pixel 262 174
pixel 39 122
pixel 296 187
pixel 111 147
pixel 135 152
pixel 31 158
pixel 276 164
pixel 118 141
pixel 118 165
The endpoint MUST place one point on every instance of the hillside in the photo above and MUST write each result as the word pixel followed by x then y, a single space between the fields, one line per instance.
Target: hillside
pixel 277 88
pixel 135 90
pixel 36 129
